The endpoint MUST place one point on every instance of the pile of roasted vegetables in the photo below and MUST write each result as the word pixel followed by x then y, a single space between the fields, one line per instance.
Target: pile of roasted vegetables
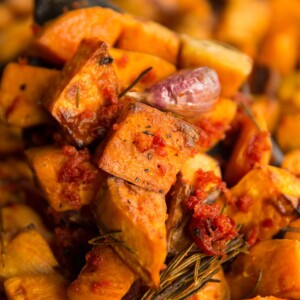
pixel 149 161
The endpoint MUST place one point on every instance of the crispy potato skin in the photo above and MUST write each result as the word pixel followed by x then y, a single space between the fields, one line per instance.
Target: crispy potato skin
pixel 39 287
pixel 129 65
pixel 105 276
pixel 147 165
pixel 277 260
pixel 47 163
pixel 59 40
pixel 140 217
pixel 148 37
pixel 21 93
pixel 83 99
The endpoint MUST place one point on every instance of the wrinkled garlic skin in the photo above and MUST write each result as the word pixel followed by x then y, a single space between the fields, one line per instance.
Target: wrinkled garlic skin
pixel 187 92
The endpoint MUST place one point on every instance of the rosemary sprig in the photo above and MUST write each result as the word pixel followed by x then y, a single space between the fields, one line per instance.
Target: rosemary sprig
pixel 143 73
pixel 189 271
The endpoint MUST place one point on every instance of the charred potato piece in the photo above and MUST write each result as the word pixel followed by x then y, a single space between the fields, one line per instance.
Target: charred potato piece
pixel 253 147
pixel 129 65
pixel 153 146
pixel 264 201
pixel 39 287
pixel 139 217
pixel 232 66
pixel 148 37
pixel 59 40
pixel 105 276
pixel 278 263
pixel 27 253
pixel 178 214
pixel 291 162
pixel 65 175
pixel 83 99
pixel 21 91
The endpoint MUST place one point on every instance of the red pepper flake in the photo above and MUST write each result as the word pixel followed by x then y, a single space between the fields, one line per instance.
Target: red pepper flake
pixel 142 141
pixel 209 227
pixel 257 146
pixel 93 262
pixel 267 223
pixel 211 131
pixel 158 144
pixel 162 169
pixel 243 203
pixel 122 61
pixel 253 237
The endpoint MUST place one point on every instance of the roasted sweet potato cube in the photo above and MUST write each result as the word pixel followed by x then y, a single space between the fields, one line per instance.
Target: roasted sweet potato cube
pixel 287 132
pixel 178 215
pixel 129 65
pixel 21 91
pixel 139 217
pixel 278 263
pixel 148 37
pixel 214 290
pixel 153 146
pixel 253 147
pixel 27 253
pixel 59 40
pixel 83 99
pixel 39 287
pixel 65 175
pixel 105 276
pixel 266 298
pixel 264 201
pixel 214 124
pixel 233 67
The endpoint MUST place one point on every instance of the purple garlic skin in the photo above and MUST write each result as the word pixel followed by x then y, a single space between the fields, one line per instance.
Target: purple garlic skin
pixel 187 92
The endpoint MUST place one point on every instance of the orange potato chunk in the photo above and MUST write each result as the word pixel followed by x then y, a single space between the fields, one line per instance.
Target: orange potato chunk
pixel 129 65
pixel 291 162
pixel 65 175
pixel 148 37
pixel 21 93
pixel 153 146
pixel 138 216
pixel 59 39
pixel 105 276
pixel 83 99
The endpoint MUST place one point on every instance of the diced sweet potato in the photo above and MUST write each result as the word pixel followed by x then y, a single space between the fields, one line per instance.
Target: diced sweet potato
pixel 264 201
pixel 21 91
pixel 152 145
pixel 214 290
pixel 178 214
pixel 139 216
pixel 278 263
pixel 129 66
pixel 11 138
pixel 291 162
pixel 148 37
pixel 39 287
pixel 27 253
pixel 287 133
pixel 59 40
pixel 214 124
pixel 65 175
pixel 83 99
pixel 266 298
pixel 253 147
pixel 232 66
pixel 16 216
pixel 6 15
pixel 105 276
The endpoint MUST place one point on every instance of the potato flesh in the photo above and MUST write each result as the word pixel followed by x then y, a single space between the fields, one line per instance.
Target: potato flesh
pixel 21 92
pixel 145 167
pixel 104 277
pixel 140 217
